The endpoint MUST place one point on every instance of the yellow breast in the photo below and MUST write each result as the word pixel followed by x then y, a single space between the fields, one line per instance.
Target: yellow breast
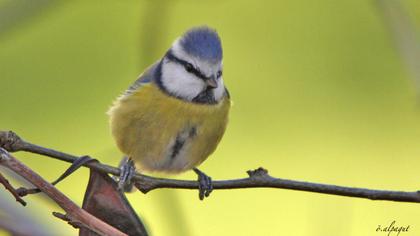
pixel 163 133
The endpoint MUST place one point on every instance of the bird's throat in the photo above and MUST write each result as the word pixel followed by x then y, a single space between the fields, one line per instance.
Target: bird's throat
pixel 205 97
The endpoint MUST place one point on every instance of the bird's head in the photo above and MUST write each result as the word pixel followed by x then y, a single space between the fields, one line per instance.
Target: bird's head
pixel 192 68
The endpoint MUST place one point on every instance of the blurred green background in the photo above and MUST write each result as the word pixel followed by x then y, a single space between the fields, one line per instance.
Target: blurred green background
pixel 321 93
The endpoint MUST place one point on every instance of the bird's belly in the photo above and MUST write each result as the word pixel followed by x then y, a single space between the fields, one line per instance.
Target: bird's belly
pixel 166 134
pixel 171 151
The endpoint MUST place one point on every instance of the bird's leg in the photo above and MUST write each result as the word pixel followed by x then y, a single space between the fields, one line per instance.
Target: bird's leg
pixel 128 170
pixel 205 185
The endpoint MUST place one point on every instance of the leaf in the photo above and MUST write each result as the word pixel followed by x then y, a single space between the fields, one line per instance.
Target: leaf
pixel 103 200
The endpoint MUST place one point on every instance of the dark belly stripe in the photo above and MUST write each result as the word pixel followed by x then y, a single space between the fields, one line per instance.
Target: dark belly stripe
pixel 179 143
pixel 180 140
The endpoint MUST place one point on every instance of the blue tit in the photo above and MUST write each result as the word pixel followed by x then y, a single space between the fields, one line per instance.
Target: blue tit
pixel 175 114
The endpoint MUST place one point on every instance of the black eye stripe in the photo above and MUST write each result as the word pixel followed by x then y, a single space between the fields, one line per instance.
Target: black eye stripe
pixel 186 64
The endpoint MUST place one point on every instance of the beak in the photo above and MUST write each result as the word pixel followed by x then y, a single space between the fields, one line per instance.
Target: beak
pixel 211 83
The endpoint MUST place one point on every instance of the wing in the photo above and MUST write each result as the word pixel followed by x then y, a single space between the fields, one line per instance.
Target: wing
pixel 145 78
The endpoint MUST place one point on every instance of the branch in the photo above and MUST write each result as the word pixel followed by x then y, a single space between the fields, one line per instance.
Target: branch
pixel 258 178
pixel 74 212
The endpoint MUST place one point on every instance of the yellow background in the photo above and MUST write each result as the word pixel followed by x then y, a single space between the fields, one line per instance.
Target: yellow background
pixel 320 94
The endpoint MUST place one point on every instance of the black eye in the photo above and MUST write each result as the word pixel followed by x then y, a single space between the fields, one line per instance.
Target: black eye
pixel 219 73
pixel 189 67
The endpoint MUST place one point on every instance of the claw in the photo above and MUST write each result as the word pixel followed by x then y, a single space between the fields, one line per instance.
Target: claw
pixel 205 186
pixel 128 170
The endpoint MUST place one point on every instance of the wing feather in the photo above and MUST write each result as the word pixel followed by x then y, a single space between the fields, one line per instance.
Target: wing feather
pixel 146 77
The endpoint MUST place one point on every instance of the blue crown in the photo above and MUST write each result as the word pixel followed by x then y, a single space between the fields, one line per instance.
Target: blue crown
pixel 202 42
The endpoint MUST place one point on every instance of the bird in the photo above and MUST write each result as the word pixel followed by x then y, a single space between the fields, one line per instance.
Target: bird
pixel 176 113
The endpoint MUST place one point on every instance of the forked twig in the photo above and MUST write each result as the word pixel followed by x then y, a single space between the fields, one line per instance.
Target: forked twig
pixel 74 212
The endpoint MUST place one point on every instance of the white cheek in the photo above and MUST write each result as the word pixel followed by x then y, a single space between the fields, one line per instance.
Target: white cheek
pixel 220 90
pixel 179 82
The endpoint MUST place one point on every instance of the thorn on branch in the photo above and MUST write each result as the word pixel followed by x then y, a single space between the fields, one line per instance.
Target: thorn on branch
pixel 10 141
pixel 143 186
pixel 66 218
pixel 257 173
pixel 76 224
pixel 22 191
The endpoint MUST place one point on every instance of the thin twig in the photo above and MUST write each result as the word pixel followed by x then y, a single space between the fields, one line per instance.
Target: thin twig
pixel 74 212
pixel 12 190
pixel 258 178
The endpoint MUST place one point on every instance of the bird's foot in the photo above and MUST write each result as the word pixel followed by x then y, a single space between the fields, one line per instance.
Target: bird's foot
pixel 205 185
pixel 128 170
